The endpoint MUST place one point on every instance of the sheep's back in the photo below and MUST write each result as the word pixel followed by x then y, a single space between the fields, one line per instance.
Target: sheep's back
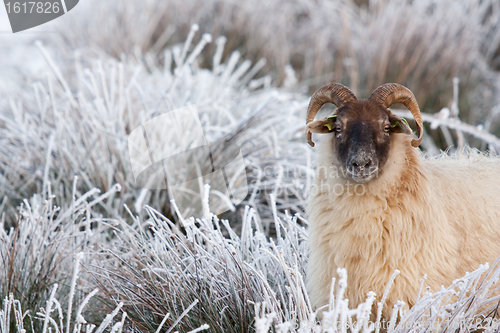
pixel 469 190
pixel 440 217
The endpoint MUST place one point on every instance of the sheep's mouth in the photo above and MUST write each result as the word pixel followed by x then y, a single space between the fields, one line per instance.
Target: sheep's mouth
pixel 363 175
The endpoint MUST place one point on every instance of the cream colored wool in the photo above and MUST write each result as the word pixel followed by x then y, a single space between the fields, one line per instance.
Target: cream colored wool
pixel 439 217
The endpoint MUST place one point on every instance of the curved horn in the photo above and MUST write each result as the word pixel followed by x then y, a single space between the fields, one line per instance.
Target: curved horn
pixel 392 93
pixel 335 93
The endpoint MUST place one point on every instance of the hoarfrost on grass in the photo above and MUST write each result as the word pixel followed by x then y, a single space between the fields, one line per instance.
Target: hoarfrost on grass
pixel 64 139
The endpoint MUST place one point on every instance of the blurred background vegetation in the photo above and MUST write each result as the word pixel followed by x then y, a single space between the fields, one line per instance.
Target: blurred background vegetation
pixel 422 44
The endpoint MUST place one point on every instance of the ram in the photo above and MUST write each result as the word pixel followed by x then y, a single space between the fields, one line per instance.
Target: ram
pixel 378 205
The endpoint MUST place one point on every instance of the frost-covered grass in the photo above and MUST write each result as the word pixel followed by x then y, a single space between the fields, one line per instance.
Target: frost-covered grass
pixel 421 44
pixel 36 253
pixel 77 123
pixel 164 269
pixel 248 281
pixel 200 275
pixel 40 292
pixel 67 186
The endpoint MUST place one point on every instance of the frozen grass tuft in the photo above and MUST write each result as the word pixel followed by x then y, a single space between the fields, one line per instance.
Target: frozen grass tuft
pixel 156 275
pixel 77 121
pixel 53 315
pixel 225 276
pixel 38 295
pixel 35 253
pixel 247 282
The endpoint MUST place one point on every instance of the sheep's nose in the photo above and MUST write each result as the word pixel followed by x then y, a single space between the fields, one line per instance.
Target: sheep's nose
pixel 361 163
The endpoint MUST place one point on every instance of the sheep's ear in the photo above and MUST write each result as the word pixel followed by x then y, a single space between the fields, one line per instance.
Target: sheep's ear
pixel 399 125
pixel 322 126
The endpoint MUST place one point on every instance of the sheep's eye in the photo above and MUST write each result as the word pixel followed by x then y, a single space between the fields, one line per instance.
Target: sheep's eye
pixel 338 128
pixel 387 128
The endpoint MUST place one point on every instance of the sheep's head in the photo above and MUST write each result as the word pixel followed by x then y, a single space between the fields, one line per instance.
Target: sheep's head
pixel 362 129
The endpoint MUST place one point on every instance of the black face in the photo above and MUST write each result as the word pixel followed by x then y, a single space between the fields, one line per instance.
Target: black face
pixel 362 139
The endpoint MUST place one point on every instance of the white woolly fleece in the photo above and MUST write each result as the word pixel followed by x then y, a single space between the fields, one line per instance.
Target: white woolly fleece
pixel 439 217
